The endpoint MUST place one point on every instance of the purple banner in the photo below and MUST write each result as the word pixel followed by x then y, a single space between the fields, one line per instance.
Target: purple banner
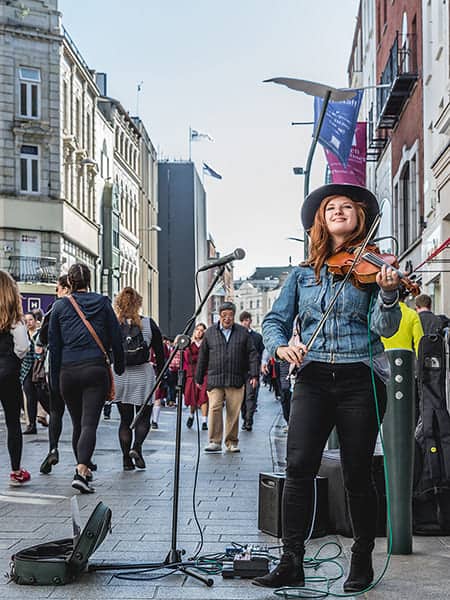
pixel 355 171
pixel 32 301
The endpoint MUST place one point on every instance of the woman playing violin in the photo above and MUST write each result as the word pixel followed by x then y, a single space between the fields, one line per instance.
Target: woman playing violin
pixel 334 384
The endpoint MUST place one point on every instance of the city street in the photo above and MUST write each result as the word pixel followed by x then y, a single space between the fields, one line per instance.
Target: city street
pixel 141 505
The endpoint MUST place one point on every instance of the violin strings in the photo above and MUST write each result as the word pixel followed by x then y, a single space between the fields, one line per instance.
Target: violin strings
pixel 379 262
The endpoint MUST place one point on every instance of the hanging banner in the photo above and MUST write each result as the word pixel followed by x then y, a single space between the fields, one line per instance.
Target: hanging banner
pixel 355 171
pixel 339 124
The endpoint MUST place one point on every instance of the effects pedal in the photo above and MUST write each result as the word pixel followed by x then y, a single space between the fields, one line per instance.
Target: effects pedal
pixel 246 564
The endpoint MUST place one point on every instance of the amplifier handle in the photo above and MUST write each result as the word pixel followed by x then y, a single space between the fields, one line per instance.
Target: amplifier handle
pixel 268 483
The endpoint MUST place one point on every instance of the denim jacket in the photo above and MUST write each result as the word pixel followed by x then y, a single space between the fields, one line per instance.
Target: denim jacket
pixel 344 336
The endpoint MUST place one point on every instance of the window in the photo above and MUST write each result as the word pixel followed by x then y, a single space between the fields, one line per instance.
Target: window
pixel 29 95
pixel 29 169
pixel 407 214
pixel 65 106
pixel 88 134
pixel 78 120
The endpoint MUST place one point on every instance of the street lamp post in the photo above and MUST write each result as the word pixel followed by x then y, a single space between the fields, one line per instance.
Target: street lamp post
pixel 328 93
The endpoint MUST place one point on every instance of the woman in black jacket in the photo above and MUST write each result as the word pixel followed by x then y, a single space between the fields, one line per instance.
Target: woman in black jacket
pixel 78 367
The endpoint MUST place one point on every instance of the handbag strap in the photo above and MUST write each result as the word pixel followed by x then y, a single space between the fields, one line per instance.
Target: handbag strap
pixel 88 326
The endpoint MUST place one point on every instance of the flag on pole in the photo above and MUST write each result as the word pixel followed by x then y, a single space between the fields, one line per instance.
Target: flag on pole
pixel 355 171
pixel 208 171
pixel 196 136
pixel 339 124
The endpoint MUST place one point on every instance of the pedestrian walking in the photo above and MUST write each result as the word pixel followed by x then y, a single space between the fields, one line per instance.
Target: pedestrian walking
pixel 227 355
pixel 82 333
pixel 14 345
pixel 250 401
pixel 56 402
pixel 334 385
pixel 409 332
pixel 139 335
pixel 431 323
pixel 195 396
pixel 34 392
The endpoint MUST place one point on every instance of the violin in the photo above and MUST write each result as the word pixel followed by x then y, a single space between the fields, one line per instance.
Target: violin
pixel 367 266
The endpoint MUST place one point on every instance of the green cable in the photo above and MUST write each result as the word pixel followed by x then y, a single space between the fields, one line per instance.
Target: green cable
pixel 315 562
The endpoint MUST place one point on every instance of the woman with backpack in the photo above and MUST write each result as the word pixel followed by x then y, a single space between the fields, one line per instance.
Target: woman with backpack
pixel 14 345
pixel 82 332
pixel 139 335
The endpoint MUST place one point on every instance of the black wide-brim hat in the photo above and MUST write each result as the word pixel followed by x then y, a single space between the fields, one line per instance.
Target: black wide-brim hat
pixel 354 192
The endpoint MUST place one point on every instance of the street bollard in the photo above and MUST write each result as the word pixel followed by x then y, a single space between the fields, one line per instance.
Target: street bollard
pixel 398 432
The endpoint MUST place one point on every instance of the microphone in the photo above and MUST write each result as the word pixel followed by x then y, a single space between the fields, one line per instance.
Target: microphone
pixel 238 254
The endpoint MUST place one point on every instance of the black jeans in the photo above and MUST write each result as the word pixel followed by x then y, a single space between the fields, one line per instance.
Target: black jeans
pixel 249 403
pixel 10 395
pixel 34 393
pixel 84 387
pixel 127 414
pixel 55 422
pixel 285 400
pixel 327 395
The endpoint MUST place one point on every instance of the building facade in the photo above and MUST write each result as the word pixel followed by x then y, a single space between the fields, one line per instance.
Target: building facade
pixel 257 293
pixel 436 111
pixel 47 169
pixel 182 244
pixel 74 170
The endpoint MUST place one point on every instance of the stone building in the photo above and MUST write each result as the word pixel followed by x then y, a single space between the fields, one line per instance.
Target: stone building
pixel 77 172
pixel 257 293
pixel 47 167
pixel 436 106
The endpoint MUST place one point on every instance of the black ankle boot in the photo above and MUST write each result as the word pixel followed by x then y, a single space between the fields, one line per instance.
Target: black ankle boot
pixel 288 572
pixel 361 572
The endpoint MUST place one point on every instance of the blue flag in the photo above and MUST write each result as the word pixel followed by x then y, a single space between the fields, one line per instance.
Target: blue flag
pixel 208 171
pixel 338 127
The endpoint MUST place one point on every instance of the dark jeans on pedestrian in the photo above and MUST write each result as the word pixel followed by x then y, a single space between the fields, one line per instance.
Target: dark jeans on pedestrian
pixel 286 403
pixel 328 395
pixel 249 403
pixel 10 394
pixel 55 422
pixel 84 388
pixel 127 413
pixel 34 393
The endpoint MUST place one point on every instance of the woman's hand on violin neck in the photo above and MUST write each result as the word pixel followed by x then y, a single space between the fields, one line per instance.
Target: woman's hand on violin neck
pixel 388 279
pixel 292 354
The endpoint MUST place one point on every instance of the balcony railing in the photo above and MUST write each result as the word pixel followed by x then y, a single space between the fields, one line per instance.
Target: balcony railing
pixel 376 138
pixel 34 269
pixel 399 75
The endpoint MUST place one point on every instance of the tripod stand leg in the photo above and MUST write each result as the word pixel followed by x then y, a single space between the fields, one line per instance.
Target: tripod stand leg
pixel 206 580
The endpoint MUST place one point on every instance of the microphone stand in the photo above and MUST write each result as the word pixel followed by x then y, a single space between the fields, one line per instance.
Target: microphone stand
pixel 173 560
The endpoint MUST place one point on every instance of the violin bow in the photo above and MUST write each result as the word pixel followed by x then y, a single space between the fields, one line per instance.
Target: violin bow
pixel 332 302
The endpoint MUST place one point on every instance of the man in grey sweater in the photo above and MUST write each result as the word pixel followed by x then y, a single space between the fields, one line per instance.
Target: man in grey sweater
pixel 227 356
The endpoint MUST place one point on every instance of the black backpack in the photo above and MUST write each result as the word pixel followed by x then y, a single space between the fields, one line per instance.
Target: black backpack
pixel 136 349
pixel 431 499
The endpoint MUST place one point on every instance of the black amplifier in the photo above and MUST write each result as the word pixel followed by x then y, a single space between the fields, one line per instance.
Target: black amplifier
pixel 269 504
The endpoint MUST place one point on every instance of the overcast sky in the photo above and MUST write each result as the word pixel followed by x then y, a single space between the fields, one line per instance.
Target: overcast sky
pixel 202 63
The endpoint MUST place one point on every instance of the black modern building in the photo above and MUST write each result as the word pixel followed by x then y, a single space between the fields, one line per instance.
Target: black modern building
pixel 182 243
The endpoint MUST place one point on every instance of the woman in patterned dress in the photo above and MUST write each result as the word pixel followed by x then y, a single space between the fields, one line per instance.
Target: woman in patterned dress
pixel 135 384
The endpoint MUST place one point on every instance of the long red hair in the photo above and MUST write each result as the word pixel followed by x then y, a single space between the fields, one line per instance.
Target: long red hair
pixel 320 241
pixel 10 303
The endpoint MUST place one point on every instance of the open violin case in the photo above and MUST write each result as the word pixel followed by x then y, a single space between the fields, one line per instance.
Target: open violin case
pixel 62 561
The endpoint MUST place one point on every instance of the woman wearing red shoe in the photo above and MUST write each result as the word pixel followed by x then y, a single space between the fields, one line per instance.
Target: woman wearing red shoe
pixel 13 347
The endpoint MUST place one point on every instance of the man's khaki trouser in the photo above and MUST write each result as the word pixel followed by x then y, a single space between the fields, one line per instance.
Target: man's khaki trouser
pixel 232 398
